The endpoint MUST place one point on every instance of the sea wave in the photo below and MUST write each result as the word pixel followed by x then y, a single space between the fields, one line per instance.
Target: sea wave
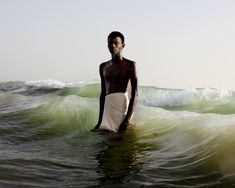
pixel 179 137
pixel 200 100
pixel 50 83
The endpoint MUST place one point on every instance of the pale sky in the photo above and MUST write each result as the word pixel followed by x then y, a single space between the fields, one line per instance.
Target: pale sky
pixel 175 43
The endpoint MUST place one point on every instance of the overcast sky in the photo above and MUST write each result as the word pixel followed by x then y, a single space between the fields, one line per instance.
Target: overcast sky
pixel 175 43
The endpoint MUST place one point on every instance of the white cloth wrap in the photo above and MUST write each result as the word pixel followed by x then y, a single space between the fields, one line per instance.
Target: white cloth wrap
pixel 115 109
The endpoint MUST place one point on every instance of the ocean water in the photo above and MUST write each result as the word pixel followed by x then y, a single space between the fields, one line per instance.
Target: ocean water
pixel 181 138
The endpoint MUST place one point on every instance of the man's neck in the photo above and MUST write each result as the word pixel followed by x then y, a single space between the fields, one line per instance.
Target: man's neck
pixel 117 58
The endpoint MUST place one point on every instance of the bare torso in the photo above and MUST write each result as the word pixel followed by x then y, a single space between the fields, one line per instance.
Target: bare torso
pixel 116 75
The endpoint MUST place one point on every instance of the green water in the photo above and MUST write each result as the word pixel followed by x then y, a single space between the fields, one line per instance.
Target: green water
pixel 180 138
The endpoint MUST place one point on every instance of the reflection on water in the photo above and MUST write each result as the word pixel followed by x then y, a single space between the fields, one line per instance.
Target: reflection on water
pixel 120 159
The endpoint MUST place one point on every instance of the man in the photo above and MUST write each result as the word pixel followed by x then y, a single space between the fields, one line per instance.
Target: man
pixel 115 108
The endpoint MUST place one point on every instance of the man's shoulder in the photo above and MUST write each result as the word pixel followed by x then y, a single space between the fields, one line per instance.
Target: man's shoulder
pixel 130 61
pixel 103 64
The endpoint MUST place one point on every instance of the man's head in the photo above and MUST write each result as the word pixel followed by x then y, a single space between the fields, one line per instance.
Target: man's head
pixel 116 42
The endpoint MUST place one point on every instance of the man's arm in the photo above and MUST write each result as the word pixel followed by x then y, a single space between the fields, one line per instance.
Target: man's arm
pixel 102 96
pixel 134 94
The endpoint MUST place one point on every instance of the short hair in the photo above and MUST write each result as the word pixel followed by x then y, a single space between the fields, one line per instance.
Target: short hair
pixel 116 34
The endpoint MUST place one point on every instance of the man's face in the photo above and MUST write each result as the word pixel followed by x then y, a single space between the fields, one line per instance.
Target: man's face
pixel 115 45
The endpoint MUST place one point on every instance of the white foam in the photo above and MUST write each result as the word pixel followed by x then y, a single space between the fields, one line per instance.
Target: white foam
pixel 185 96
pixel 50 83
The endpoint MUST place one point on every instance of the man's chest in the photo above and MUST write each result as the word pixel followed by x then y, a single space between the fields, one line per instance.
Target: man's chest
pixel 115 71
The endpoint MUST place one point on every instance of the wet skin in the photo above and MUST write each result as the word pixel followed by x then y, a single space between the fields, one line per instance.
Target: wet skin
pixel 115 75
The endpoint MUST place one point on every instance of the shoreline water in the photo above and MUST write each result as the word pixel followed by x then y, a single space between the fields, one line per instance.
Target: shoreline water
pixel 181 138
